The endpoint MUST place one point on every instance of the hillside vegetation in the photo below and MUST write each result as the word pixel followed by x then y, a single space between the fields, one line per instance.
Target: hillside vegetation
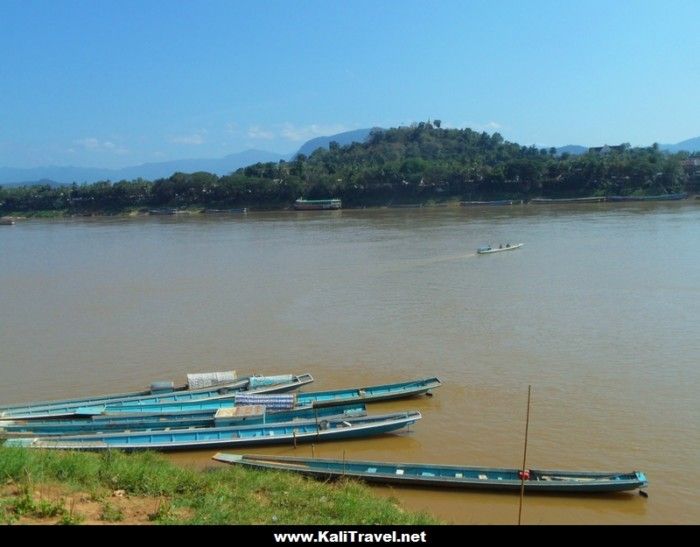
pixel 419 163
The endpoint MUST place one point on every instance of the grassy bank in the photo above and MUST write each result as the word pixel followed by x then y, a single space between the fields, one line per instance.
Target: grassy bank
pixel 75 487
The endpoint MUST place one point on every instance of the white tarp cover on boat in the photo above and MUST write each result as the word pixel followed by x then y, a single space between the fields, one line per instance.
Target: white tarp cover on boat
pixel 262 381
pixel 209 379
pixel 281 401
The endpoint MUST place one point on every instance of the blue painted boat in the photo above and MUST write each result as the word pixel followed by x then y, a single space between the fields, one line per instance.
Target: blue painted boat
pixel 226 211
pixel 491 203
pixel 661 197
pixel 590 199
pixel 219 437
pixel 451 476
pixel 97 405
pixel 242 415
pixel 316 399
pixel 215 379
pixel 369 394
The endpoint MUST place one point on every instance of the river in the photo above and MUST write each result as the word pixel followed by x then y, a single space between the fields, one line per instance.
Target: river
pixel 599 312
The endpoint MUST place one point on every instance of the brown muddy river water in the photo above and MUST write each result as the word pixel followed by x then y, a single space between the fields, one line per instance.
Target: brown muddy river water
pixel 599 311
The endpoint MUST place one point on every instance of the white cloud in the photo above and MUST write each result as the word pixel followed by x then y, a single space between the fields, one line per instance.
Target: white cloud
pixel 479 126
pixel 295 133
pixel 89 143
pixel 196 138
pixel 257 132
pixel 96 145
pixel 304 133
pixel 230 127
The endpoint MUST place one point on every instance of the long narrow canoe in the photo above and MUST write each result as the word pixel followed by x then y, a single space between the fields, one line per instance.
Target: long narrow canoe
pixel 219 437
pixel 98 405
pixel 661 197
pixel 589 199
pixel 195 381
pixel 369 394
pixel 316 399
pixel 488 250
pixel 452 476
pixel 136 422
pixel 496 202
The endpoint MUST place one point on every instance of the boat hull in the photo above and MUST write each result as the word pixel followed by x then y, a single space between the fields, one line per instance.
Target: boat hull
pixel 592 199
pixel 221 437
pixel 662 197
pixel 491 203
pixel 317 399
pixel 489 251
pixel 317 204
pixel 105 424
pixel 100 405
pixel 446 476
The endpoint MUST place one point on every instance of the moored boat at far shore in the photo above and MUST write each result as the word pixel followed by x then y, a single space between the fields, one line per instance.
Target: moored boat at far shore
pixel 661 197
pixel 591 199
pixel 494 202
pixel 317 204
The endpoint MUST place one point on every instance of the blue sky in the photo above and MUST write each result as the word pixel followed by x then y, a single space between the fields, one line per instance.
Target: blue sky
pixel 112 83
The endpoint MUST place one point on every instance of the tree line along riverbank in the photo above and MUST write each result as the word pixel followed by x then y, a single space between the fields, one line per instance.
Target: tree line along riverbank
pixel 420 164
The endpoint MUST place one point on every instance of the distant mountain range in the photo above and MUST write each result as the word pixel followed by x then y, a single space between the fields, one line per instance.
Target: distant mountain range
pixel 573 149
pixel 54 175
pixel 343 139
pixel 149 171
pixel 690 145
pixel 221 166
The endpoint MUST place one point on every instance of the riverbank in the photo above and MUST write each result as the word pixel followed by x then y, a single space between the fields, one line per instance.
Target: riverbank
pixel 43 487
pixel 196 210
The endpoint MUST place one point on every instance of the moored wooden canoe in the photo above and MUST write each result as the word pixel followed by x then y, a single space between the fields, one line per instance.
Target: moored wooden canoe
pixel 452 476
pixel 219 437
pixel 97 405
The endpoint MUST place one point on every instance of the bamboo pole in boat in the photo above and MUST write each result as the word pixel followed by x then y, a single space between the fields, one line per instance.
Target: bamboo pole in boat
pixel 318 428
pixel 522 471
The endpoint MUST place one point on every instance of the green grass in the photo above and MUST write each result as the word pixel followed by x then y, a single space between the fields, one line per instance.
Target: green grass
pixel 110 513
pixel 229 495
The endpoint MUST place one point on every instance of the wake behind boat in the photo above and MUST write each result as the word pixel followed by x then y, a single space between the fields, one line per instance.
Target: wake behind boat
pixel 507 247
pixel 452 476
